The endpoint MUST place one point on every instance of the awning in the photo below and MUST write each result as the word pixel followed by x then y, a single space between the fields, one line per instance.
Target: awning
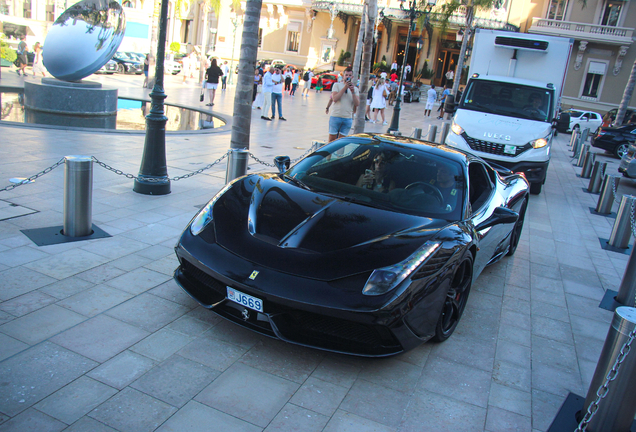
pixel 597 68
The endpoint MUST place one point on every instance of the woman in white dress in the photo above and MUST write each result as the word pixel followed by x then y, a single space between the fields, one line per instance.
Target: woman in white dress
pixel 38 67
pixel 380 93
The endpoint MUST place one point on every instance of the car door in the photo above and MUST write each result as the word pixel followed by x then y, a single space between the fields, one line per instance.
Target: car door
pixel 595 121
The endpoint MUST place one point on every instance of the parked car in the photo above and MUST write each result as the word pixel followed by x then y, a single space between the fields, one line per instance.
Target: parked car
pixel 615 139
pixel 328 79
pixel 128 64
pixel 580 120
pixel 326 254
pixel 171 66
pixel 628 115
pixel 109 68
pixel 628 162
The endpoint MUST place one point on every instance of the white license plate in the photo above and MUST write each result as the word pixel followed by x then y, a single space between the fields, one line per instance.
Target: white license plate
pixel 510 149
pixel 245 300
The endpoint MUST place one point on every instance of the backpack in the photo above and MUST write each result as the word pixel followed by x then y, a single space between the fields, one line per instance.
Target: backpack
pixel 306 76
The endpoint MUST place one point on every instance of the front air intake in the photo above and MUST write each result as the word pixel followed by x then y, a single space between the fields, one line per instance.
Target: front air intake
pixel 523 44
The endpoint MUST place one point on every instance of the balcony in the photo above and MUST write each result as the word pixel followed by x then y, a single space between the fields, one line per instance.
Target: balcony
pixel 582 31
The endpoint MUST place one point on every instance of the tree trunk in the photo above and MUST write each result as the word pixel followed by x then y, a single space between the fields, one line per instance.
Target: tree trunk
pixel 468 32
pixel 247 63
pixel 372 10
pixel 627 95
pixel 358 54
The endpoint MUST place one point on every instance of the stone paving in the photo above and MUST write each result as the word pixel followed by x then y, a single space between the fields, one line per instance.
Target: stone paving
pixel 96 336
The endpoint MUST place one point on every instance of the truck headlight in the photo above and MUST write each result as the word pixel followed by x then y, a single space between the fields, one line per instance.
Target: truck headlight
pixel 538 143
pixel 204 217
pixel 385 279
pixel 457 129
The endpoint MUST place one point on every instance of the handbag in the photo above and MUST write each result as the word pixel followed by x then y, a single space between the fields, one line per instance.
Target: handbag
pixel 201 96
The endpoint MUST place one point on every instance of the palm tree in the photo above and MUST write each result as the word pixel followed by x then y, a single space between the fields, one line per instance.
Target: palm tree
pixel 371 12
pixel 627 95
pixel 242 117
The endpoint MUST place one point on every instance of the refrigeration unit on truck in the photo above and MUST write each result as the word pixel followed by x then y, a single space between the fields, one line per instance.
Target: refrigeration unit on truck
pixel 508 111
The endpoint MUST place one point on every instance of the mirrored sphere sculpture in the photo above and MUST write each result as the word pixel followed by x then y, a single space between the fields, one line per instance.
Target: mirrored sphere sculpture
pixel 83 39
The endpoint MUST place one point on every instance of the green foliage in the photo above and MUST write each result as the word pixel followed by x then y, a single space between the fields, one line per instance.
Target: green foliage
pixel 384 59
pixel 445 11
pixel 6 52
pixel 344 56
pixel 175 47
pixel 381 67
pixel 426 73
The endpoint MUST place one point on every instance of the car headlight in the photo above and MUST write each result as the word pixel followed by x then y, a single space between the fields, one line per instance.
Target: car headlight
pixel 385 279
pixel 204 217
pixel 457 129
pixel 538 143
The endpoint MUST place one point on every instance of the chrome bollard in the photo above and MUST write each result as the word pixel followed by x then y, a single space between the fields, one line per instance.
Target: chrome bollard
pixel 584 150
pixel 417 133
pixel 78 196
pixel 236 164
pixel 577 144
pixel 627 291
pixel 588 160
pixel 573 138
pixel 444 134
pixel 432 133
pixel 622 229
pixel 596 178
pixel 584 135
pixel 606 199
pixel 617 409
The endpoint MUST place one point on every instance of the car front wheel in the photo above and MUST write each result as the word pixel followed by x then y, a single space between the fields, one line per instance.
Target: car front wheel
pixel 456 299
pixel 515 235
pixel 121 68
pixel 620 150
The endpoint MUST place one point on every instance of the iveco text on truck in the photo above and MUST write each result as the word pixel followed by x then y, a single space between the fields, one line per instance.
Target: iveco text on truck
pixel 511 101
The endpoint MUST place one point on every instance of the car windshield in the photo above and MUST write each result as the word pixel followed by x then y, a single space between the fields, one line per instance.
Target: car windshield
pixel 384 175
pixel 509 99
pixel 574 113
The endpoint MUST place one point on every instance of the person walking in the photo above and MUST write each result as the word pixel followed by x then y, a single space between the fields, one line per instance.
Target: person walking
pixel 450 76
pixel 212 76
pixel 345 98
pixel 146 67
pixel 367 114
pixel 378 103
pixel 38 67
pixel 440 110
pixel 288 80
pixel 22 55
pixel 294 82
pixel 226 72
pixel 277 95
pixel 407 71
pixel 430 101
pixel 268 87
pixel 307 82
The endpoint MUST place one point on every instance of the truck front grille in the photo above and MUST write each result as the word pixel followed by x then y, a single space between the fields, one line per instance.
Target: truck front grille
pixel 493 148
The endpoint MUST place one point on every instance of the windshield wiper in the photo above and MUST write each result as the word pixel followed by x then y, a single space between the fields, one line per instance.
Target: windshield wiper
pixel 296 182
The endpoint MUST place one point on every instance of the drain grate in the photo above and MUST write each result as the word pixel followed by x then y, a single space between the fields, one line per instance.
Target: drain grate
pixel 9 210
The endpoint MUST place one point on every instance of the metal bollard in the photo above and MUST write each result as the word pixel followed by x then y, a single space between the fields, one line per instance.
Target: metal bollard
pixel 588 160
pixel 445 129
pixel 616 410
pixel 597 177
pixel 606 199
pixel 236 164
pixel 573 139
pixel 627 291
pixel 622 229
pixel 432 133
pixel 585 134
pixel 417 133
pixel 584 150
pixel 576 143
pixel 78 196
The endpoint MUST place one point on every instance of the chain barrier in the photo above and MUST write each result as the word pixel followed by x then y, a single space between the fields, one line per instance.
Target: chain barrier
pixel 632 217
pixel 615 194
pixel 602 391
pixel 33 177
pixel 253 156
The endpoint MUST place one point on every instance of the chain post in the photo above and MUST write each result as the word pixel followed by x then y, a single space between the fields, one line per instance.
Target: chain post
pixel 623 225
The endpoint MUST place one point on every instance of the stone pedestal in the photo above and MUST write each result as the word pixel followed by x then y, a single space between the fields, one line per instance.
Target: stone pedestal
pixel 74 104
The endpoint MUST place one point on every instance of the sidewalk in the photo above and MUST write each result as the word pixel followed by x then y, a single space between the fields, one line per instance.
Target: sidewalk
pixel 95 335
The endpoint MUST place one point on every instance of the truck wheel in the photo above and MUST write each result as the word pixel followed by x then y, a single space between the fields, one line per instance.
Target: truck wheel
pixel 535 188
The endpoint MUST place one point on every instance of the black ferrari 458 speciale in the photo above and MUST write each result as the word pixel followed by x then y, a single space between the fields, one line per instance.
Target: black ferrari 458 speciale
pixel 367 246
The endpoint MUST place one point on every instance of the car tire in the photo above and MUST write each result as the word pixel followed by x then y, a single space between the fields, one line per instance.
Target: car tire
pixel 576 128
pixel 620 150
pixel 121 68
pixel 535 188
pixel 515 234
pixel 456 299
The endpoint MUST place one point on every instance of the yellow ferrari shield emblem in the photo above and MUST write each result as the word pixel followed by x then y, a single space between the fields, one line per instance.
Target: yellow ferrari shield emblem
pixel 253 275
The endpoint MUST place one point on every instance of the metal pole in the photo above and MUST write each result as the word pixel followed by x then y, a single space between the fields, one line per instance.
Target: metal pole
pixel 584 149
pixel 627 291
pixel 616 411
pixel 236 164
pixel 606 198
pixel 622 229
pixel 444 134
pixel 417 133
pixel 576 148
pixel 78 196
pixel 432 133
pixel 588 161
pixel 596 179
pixel 572 140
pixel 585 134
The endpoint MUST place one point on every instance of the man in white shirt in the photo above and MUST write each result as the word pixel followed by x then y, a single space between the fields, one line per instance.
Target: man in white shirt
pixel 226 69
pixel 394 66
pixel 407 71
pixel 268 87
pixel 277 95
pixel 450 75
pixel 345 97
pixel 383 75
pixel 307 78
pixel 430 101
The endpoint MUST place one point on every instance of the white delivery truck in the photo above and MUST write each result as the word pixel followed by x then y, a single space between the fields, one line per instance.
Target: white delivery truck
pixel 508 111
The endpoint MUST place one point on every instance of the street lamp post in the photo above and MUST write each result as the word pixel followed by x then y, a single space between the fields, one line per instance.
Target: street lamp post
pixel 153 173
pixel 235 19
pixel 413 13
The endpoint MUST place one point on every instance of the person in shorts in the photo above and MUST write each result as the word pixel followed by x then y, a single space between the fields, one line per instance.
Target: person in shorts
pixel 212 76
pixel 430 101
pixel 307 79
pixel 22 55
pixel 345 98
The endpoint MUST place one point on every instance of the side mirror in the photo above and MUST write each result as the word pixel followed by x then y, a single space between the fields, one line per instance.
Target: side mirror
pixel 282 163
pixel 501 215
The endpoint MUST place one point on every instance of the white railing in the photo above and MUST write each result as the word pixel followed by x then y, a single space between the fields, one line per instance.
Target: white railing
pixel 583 30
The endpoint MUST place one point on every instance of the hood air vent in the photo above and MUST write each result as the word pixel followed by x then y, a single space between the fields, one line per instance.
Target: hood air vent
pixel 524 44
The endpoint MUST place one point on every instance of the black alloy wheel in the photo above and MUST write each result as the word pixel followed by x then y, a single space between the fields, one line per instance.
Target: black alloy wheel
pixel 456 299
pixel 515 235
pixel 621 149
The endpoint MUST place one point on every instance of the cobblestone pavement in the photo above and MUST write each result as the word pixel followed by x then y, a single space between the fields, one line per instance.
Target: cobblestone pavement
pixel 96 336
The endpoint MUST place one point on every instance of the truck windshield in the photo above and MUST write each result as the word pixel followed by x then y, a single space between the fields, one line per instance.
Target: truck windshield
pixel 509 99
